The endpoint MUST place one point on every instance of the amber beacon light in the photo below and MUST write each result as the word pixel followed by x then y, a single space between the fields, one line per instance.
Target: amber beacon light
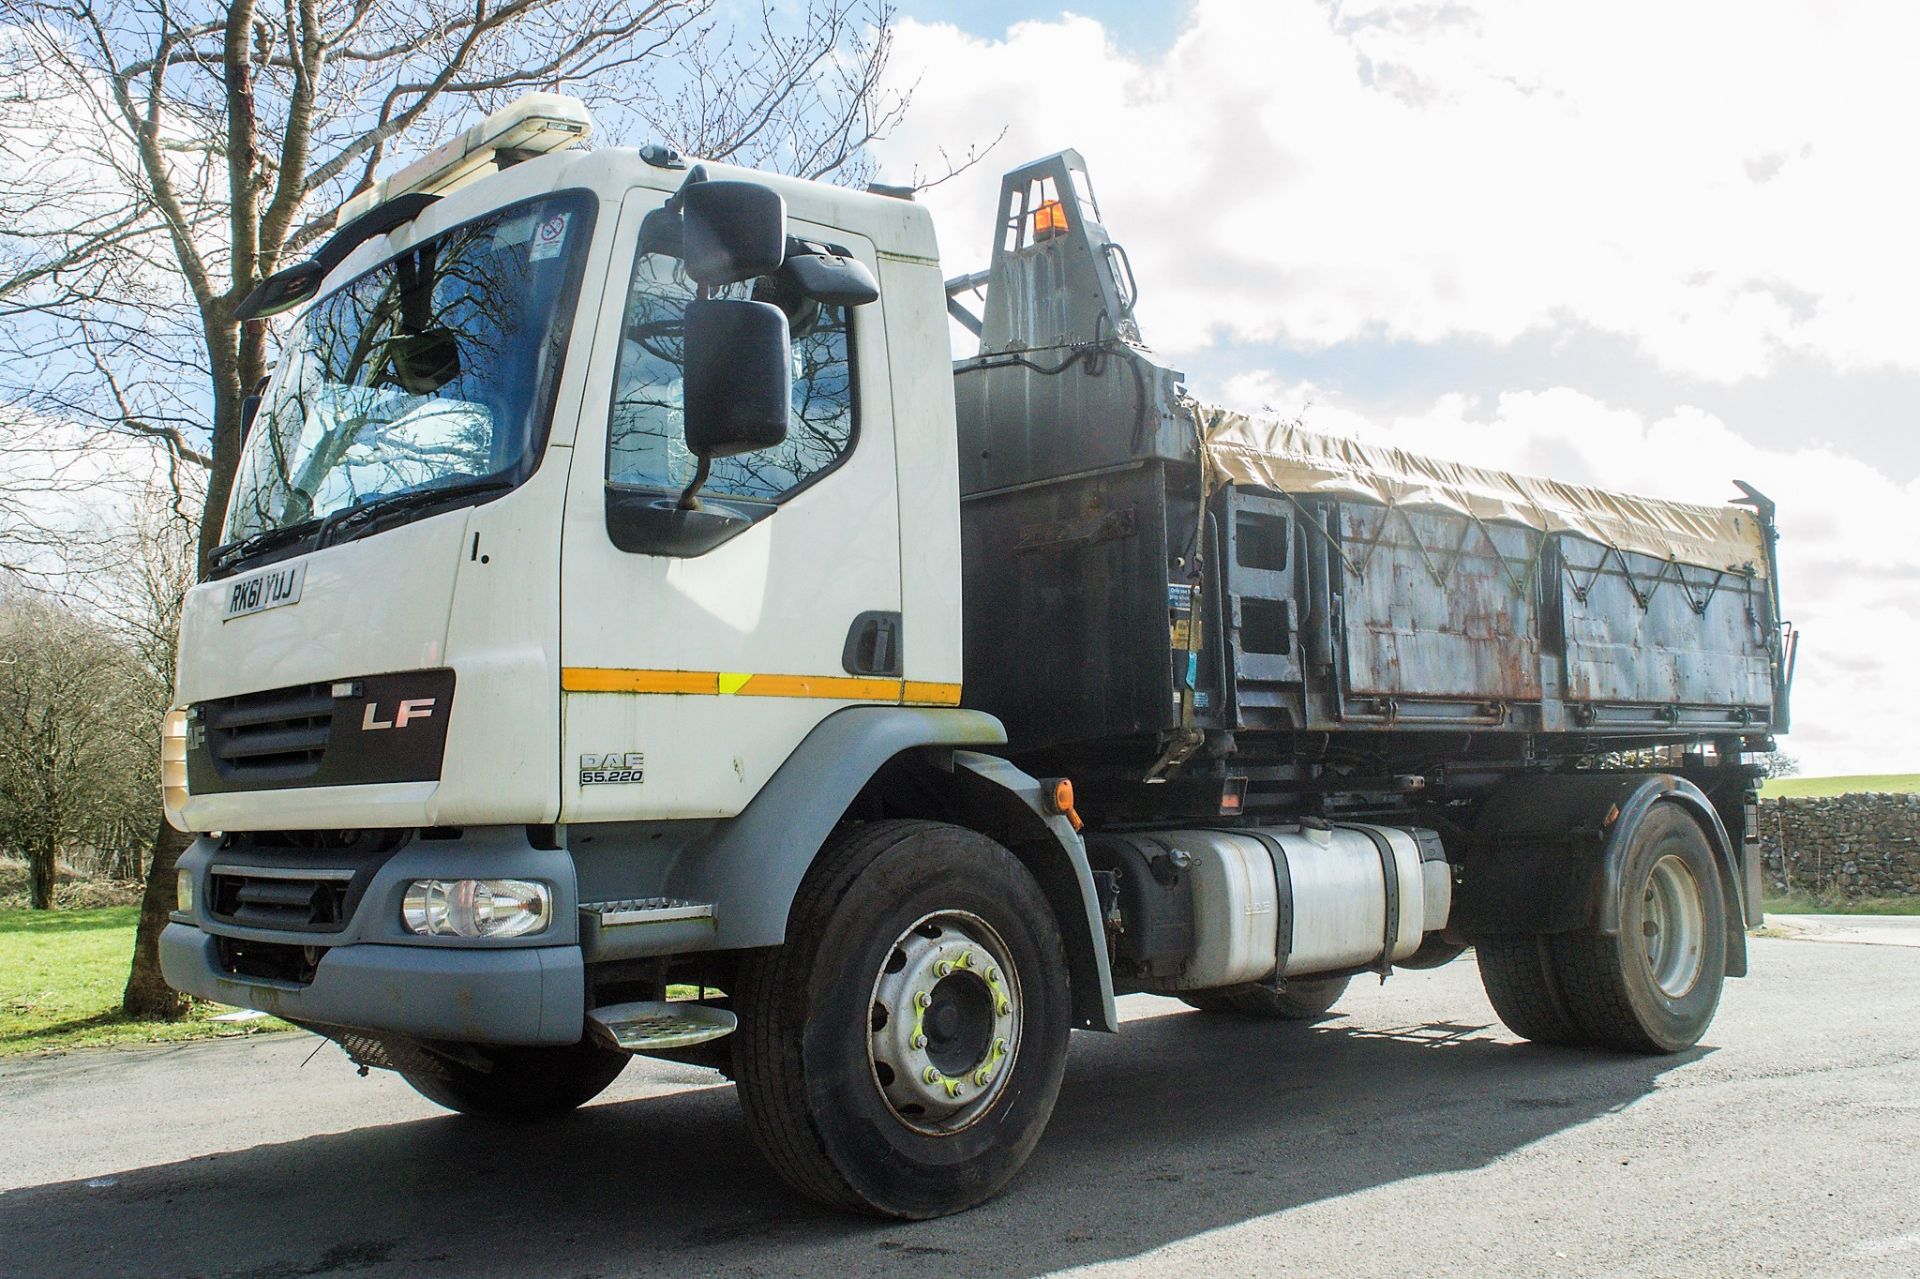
pixel 1049 220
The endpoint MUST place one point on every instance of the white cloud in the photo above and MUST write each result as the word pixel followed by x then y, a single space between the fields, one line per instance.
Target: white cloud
pixel 1718 181
pixel 1849 558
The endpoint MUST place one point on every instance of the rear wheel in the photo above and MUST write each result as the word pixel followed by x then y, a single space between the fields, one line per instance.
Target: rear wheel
pixel 522 1083
pixel 1652 983
pixel 901 1053
pixel 1524 989
pixel 1294 1001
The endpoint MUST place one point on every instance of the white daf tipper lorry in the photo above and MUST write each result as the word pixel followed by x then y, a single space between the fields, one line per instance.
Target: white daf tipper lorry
pixel 636 635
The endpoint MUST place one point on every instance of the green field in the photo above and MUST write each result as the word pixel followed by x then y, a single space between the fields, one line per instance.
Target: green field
pixel 61 974
pixel 1809 787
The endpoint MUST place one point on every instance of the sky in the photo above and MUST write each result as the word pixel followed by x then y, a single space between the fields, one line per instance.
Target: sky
pixel 1650 246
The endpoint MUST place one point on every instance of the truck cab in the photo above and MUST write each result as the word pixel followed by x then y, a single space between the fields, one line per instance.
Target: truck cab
pixel 477 643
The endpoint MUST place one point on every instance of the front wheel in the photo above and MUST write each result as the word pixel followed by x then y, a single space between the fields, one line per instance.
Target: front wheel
pixel 521 1083
pixel 901 1053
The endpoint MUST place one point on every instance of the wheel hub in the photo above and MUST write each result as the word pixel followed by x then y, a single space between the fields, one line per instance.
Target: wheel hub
pixel 945 1022
pixel 1673 927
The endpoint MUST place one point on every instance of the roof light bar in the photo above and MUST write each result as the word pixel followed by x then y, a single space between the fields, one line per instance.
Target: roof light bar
pixel 537 122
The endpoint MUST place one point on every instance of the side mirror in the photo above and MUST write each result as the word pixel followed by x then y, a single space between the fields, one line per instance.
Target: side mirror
pixel 738 364
pixel 828 278
pixel 424 362
pixel 249 410
pixel 731 231
pixel 250 406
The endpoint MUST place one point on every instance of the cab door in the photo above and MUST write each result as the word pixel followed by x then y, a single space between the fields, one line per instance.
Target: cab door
pixel 698 649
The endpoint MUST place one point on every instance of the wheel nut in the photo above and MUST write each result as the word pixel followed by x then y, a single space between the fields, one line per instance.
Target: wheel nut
pixel 919 1041
pixel 942 968
pixel 923 1000
pixel 930 1075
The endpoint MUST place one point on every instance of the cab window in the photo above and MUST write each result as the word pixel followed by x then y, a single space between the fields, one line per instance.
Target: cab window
pixel 646 446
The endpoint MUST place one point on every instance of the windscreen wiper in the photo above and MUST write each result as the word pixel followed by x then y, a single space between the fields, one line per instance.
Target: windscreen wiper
pixel 233 552
pixel 347 519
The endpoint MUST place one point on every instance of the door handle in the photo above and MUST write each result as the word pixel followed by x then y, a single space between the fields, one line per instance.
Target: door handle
pixel 873 645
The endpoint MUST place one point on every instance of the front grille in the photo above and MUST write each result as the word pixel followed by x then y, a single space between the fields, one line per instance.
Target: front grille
pixel 358 731
pixel 263 898
pixel 278 736
pixel 270 961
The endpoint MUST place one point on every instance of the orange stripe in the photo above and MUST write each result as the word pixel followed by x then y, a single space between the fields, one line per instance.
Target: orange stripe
pixel 838 686
pixel 600 679
pixel 596 679
pixel 920 693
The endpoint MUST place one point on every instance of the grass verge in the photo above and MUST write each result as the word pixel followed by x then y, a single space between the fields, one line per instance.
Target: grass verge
pixel 1826 787
pixel 61 974
pixel 1830 906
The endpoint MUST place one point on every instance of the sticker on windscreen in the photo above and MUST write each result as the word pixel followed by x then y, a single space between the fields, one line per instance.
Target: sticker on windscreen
pixel 549 238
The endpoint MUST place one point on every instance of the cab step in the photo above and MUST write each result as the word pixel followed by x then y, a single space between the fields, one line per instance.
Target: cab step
pixel 656 1025
pixel 635 927
pixel 646 910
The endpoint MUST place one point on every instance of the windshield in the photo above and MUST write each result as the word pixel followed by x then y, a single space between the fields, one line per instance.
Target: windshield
pixel 433 371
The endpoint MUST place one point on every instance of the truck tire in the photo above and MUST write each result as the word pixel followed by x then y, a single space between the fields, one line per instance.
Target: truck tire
pixel 523 1083
pixel 1653 983
pixel 1295 1001
pixel 901 1053
pixel 1524 989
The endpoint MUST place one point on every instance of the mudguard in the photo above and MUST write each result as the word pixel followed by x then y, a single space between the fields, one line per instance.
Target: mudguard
pixel 749 867
pixel 1009 805
pixel 1547 851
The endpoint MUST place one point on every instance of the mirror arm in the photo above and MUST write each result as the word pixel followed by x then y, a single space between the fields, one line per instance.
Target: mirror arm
pixel 689 500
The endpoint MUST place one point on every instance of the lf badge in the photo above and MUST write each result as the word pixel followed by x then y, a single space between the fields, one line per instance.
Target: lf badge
pixel 410 709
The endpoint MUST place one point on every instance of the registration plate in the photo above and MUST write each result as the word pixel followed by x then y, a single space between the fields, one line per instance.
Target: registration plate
pixel 263 591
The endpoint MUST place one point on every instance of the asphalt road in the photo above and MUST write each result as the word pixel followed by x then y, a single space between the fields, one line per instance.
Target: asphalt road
pixel 1411 1136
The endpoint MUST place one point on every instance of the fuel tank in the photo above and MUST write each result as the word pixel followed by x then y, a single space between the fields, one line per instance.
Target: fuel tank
pixel 1205 908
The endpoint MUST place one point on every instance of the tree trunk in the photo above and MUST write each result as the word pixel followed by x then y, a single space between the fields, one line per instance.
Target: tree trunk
pixel 42 856
pixel 148 994
pixel 224 360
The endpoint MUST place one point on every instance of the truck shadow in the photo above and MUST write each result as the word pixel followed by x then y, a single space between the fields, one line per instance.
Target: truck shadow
pixel 1183 1124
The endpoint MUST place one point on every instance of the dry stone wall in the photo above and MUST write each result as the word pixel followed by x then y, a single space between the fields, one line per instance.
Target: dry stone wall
pixel 1847 846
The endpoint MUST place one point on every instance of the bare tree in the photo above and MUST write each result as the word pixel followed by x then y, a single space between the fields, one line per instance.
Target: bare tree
pixel 74 754
pixel 138 593
pixel 162 157
pixel 173 155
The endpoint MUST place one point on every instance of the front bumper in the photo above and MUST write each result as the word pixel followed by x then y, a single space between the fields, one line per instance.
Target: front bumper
pixel 528 996
pixel 373 974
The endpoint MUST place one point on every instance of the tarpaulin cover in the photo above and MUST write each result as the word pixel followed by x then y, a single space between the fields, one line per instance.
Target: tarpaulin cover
pixel 1291 459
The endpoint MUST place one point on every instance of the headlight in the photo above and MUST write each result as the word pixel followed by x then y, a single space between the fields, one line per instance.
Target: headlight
pixel 173 768
pixel 183 892
pixel 477 907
